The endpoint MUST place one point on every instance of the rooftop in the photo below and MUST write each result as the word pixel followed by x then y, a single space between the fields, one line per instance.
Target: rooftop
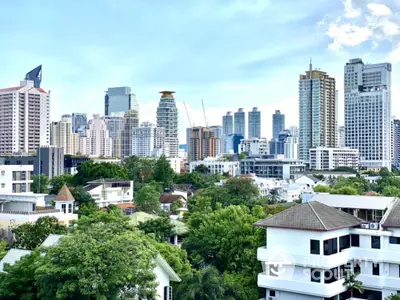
pixel 392 219
pixel 12 256
pixel 169 198
pixel 64 195
pixel 312 215
pixel 356 201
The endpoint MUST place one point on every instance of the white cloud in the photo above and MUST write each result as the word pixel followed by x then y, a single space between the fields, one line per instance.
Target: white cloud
pixel 390 28
pixel 394 56
pixel 347 35
pixel 379 9
pixel 350 12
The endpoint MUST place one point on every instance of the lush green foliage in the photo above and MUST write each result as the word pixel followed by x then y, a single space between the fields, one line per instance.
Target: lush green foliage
pixel 40 184
pixel 202 169
pixel 175 257
pixel 139 169
pixel 148 199
pixel 81 196
pixel 393 297
pixel 198 180
pixel 89 171
pixel 3 249
pixel 161 228
pixel 31 235
pixel 352 284
pixel 163 172
pixel 57 182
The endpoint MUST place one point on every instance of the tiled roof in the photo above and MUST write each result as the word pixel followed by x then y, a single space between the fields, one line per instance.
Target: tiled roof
pixel 169 198
pixel 312 215
pixel 64 195
pixel 126 205
pixel 393 217
pixel 12 256
pixel 10 89
pixel 41 90
pixel 91 186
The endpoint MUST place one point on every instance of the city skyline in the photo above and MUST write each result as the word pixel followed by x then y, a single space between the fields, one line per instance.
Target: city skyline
pixel 225 79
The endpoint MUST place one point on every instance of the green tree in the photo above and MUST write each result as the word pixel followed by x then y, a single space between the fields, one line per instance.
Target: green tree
pixel 18 280
pixel 393 297
pixel 139 169
pixel 204 284
pixel 89 171
pixel 202 169
pixel 352 284
pixel 322 189
pixel 87 209
pixel 175 257
pixel 391 191
pixel 273 196
pixel 148 199
pixel 39 184
pixel 81 196
pixel 344 190
pixel 160 228
pixel 384 172
pixel 57 183
pixel 31 235
pixel 113 218
pixel 163 172
pixel 3 249
pixel 98 263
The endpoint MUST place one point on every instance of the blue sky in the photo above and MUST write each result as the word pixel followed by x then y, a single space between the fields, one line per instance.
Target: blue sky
pixel 231 53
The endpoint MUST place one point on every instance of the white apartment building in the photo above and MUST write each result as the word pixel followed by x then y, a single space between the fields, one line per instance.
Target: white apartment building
pixel 61 134
pixel 176 164
pixel 324 159
pixel 311 246
pixel 167 117
pixel 15 178
pixel 254 146
pixel 217 166
pixel 96 140
pixel 367 102
pixel 25 118
pixel 110 191
pixel 291 147
pixel 148 140
pixel 341 137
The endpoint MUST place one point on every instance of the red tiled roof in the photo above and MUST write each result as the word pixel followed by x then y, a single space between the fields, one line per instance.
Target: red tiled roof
pixel 41 90
pixel 125 205
pixel 64 195
pixel 10 89
pixel 169 198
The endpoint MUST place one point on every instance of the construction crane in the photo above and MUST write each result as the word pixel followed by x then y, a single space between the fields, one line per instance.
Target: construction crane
pixel 204 112
pixel 187 114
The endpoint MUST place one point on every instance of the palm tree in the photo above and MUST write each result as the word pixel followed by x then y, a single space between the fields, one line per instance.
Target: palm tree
pixel 393 297
pixel 352 284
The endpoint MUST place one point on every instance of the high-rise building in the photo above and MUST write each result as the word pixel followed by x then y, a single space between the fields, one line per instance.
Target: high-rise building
pixel 291 147
pixel 203 143
pixel 341 137
pixel 396 143
pixel 24 118
pixel 218 133
pixel 148 140
pixel 254 146
pixel 61 134
pixel 79 121
pixel 240 122
pixel 114 125
pixel 167 117
pixel 318 111
pixel 277 145
pixel 227 123
pixel 130 121
pixel 35 75
pixel 294 131
pixel 254 126
pixel 119 99
pixel 367 112
pixel 232 143
pixel 278 123
pixel 96 141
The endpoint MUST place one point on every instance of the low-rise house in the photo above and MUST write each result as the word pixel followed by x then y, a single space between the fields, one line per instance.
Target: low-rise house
pixel 167 200
pixel 110 191
pixel 217 165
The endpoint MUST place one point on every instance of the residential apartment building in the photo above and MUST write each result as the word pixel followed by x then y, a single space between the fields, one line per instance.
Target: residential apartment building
pixel 227 123
pixel 254 126
pixel 269 167
pixel 217 166
pixel 119 99
pixel 96 141
pixel 396 143
pixel 341 137
pixel 130 121
pixel 317 112
pixel 114 123
pixel 232 142
pixel 240 122
pixel 277 145
pixel 167 117
pixel 325 159
pixel 278 123
pixel 79 121
pixel 254 146
pixel 291 147
pixel 24 118
pixel 35 75
pixel 367 102
pixel 148 140
pixel 219 134
pixel 15 178
pixel 61 134
pixel 110 191
pixel 202 143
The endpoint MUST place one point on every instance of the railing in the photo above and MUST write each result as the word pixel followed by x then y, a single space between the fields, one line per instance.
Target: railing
pixel 37 212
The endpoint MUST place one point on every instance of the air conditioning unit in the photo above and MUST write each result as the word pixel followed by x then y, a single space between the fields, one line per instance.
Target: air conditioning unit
pixel 374 226
pixel 365 226
pixel 168 293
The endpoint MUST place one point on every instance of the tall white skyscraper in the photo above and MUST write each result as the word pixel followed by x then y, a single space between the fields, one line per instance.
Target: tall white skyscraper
pixel 97 141
pixel 61 134
pixel 240 122
pixel 119 99
pixel 341 137
pixel 167 117
pixel 254 127
pixel 367 104
pixel 148 140
pixel 24 118
pixel 317 112
pixel 291 147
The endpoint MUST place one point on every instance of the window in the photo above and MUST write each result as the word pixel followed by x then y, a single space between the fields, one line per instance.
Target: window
pixel 375 269
pixel 331 275
pixel 357 268
pixel 3 173
pixel 375 242
pixel 392 239
pixel 69 208
pixel 3 185
pixel 315 275
pixel 272 293
pixel 64 208
pixel 344 242
pixel 330 246
pixel 355 240
pixel 314 247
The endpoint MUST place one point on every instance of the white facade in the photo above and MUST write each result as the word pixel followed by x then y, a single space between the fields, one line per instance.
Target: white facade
pixel 367 101
pixel 217 166
pixel 61 134
pixel 25 118
pixel 15 178
pixel 175 163
pixel 254 146
pixel 291 147
pixel 341 137
pixel 96 141
pixel 108 191
pixel 148 140
pixel 167 117
pixel 330 158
